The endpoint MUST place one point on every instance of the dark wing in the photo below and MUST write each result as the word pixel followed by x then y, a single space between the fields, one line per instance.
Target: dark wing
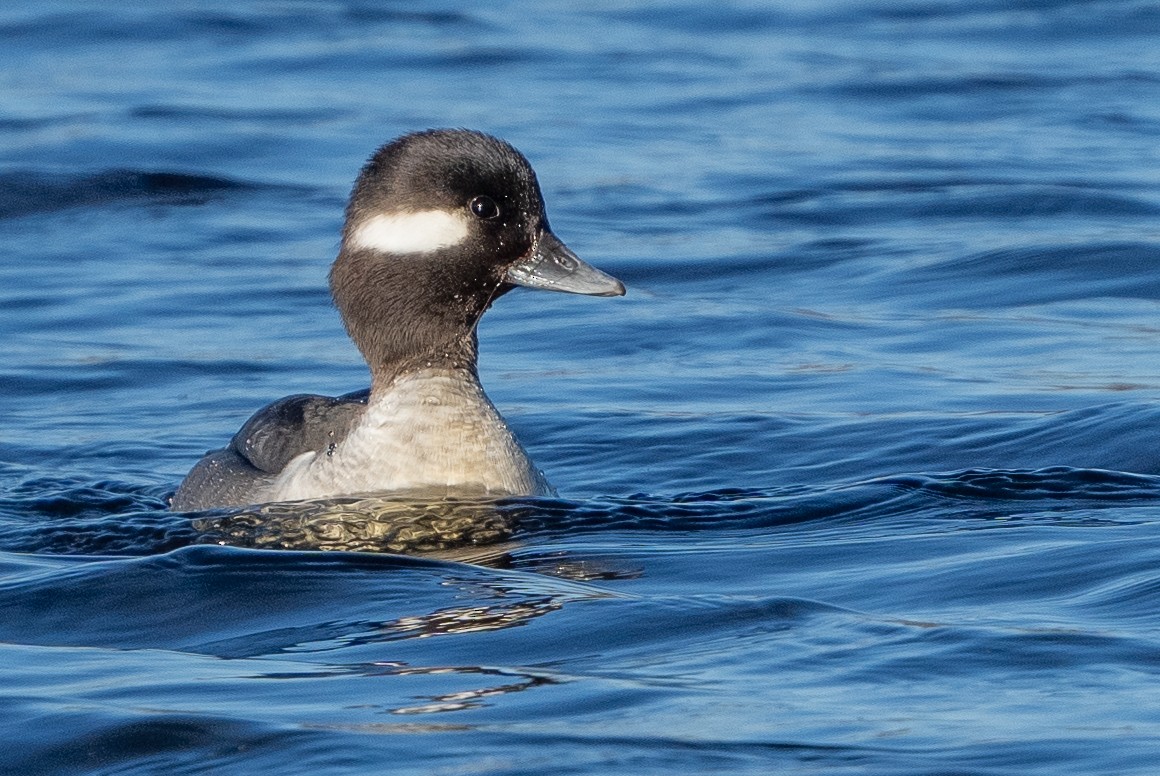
pixel 297 424
pixel 268 441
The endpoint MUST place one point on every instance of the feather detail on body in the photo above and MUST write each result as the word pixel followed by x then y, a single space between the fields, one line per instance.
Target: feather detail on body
pixel 433 430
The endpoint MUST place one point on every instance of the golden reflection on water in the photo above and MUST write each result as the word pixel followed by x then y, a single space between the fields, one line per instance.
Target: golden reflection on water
pixel 451 528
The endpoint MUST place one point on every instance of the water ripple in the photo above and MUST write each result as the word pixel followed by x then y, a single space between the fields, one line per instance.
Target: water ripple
pixel 26 193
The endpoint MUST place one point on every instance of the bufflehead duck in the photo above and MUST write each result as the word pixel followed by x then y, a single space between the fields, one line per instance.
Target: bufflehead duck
pixel 439 225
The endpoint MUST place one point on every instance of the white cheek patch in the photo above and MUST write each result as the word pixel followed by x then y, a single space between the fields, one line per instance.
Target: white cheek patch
pixel 420 232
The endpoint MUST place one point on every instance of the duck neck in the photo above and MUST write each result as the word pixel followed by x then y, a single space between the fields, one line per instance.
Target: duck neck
pixel 457 357
pixel 405 316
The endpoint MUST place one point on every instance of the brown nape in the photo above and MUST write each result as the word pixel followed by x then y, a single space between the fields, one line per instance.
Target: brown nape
pixel 404 316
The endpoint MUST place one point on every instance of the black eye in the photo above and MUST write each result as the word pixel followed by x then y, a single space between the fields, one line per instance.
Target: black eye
pixel 484 207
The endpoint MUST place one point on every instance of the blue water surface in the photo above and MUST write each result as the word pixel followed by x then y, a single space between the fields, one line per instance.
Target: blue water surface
pixel 860 478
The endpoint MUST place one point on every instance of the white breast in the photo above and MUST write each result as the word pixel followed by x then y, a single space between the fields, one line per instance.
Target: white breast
pixel 433 430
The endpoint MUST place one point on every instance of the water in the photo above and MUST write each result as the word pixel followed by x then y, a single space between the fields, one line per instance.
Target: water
pixel 861 477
